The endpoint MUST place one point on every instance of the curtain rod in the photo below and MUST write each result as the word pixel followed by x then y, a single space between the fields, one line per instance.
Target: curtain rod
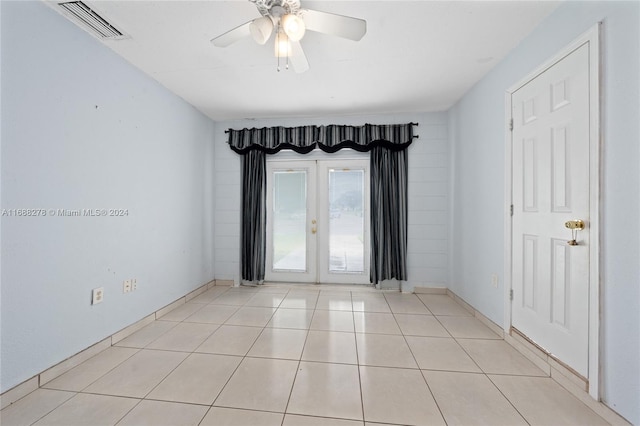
pixel 413 124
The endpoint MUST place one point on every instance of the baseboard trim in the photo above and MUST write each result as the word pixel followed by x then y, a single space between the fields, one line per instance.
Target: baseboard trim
pixel 564 376
pixel 25 388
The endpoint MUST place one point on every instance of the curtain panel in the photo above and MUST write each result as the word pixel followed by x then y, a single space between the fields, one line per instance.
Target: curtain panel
pixel 253 230
pixel 389 176
pixel 387 144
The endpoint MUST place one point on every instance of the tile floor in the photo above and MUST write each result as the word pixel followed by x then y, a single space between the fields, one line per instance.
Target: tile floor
pixel 292 355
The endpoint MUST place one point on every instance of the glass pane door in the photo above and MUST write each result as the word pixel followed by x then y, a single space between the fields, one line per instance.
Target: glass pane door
pixel 289 220
pixel 343 190
pixel 291 245
pixel 346 221
pixel 318 221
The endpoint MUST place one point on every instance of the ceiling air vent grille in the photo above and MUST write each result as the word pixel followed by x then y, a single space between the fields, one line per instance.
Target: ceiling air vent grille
pixel 91 21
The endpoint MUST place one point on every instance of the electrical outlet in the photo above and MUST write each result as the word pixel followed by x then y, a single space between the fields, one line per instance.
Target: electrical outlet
pixel 126 286
pixel 97 295
pixel 134 284
pixel 494 280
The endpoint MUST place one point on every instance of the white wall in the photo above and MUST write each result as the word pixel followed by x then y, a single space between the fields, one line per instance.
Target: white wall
pixel 477 130
pixel 428 194
pixel 83 129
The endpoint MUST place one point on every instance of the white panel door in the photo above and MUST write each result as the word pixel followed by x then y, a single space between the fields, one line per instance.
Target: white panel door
pixel 550 187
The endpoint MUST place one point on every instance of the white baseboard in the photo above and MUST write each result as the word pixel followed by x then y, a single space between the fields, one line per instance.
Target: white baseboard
pixel 23 389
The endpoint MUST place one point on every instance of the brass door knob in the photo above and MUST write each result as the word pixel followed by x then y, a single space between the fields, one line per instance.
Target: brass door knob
pixel 574 226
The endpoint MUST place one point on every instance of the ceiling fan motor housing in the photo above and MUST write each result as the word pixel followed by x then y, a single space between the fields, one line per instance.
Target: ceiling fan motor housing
pixel 277 8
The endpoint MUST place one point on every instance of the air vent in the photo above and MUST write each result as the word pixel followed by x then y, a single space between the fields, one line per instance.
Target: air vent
pixel 91 21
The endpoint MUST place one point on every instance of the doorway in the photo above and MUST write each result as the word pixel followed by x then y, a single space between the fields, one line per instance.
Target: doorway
pixel 318 221
pixel 553 184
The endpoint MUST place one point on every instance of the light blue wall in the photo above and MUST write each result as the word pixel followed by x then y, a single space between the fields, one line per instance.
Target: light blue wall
pixel 81 128
pixel 477 128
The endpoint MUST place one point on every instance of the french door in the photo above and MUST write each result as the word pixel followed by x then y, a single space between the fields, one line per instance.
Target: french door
pixel 318 221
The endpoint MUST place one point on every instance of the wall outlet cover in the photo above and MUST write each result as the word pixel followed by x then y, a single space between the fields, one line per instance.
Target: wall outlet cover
pixel 97 295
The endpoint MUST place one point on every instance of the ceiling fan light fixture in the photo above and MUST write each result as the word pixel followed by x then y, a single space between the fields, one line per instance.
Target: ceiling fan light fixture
pixel 293 26
pixel 261 29
pixel 282 45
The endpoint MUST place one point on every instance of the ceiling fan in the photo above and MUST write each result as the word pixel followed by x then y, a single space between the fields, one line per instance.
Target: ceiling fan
pixel 289 22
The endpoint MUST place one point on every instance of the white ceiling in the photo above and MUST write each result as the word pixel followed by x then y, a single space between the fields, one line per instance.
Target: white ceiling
pixel 417 56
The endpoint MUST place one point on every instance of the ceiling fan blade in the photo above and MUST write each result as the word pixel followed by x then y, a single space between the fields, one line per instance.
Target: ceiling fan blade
pixel 337 25
pixel 298 58
pixel 232 36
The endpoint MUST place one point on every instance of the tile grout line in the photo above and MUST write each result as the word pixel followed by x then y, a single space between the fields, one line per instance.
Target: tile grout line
pixel 355 338
pixel 435 401
pixel 295 376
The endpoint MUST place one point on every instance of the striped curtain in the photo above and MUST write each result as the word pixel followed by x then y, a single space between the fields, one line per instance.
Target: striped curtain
pixel 387 144
pixel 331 138
pixel 254 216
pixel 389 176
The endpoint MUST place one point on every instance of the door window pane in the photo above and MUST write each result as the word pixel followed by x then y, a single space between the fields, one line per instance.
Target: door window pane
pixel 346 221
pixel 289 220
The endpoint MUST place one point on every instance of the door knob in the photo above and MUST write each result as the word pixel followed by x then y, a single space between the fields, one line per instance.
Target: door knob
pixel 574 226
pixel 314 230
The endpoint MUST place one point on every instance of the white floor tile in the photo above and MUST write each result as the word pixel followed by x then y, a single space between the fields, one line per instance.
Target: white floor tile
pixel 251 316
pixel 219 416
pixel 259 384
pixel 375 322
pixel 34 406
pixel 330 346
pixel 282 355
pixel 467 327
pixel 332 321
pixel 266 299
pixel 420 325
pixel 181 312
pixel 441 304
pixel 467 398
pixel 297 420
pixel 291 318
pixel 370 303
pixel 281 343
pixel 86 409
pixel 332 302
pixel 91 370
pixel 184 337
pixel 398 396
pixel 406 304
pixel 212 314
pixel 162 413
pixel 441 353
pixel 327 390
pixel 300 300
pixel 198 380
pixel 499 357
pixel 138 375
pixel 230 340
pixel 147 334
pixel 384 351
pixel 541 401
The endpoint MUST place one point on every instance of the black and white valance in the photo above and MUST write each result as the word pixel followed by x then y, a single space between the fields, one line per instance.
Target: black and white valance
pixel 331 138
pixel 389 176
